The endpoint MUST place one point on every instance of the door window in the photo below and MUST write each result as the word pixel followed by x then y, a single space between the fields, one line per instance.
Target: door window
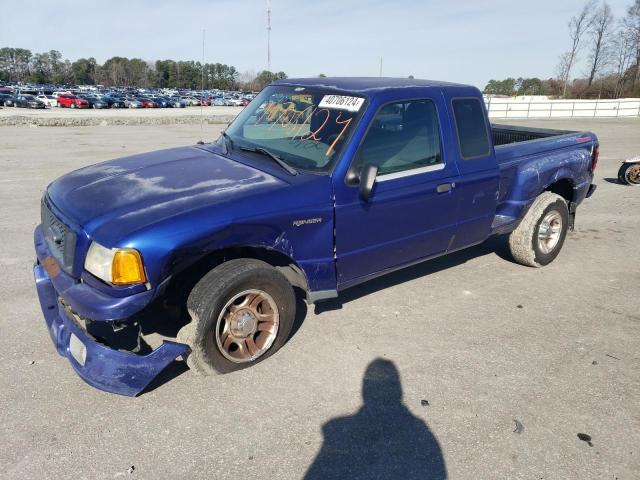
pixel 403 136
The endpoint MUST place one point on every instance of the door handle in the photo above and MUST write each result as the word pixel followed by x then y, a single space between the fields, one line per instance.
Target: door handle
pixel 445 187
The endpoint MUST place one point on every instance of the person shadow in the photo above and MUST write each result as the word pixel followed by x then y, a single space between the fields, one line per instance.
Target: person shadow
pixel 383 440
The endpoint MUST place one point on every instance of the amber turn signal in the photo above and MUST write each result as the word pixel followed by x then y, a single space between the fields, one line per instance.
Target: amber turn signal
pixel 127 268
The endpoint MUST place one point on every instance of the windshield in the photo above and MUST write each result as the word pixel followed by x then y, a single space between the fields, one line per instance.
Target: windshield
pixel 305 127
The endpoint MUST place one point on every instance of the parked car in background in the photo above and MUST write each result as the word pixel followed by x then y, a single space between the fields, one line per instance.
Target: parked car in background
pixel 113 101
pixel 95 101
pixel 132 103
pixel 234 102
pixel 218 101
pixel 178 102
pixel 245 101
pixel 629 172
pixel 48 100
pixel 28 101
pixel 71 101
pixel 192 101
pixel 149 103
pixel 7 99
pixel 163 102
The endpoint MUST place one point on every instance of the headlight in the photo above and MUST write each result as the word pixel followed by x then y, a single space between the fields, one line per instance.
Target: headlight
pixel 118 266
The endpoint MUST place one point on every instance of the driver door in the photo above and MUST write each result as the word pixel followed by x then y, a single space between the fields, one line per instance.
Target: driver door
pixel 413 210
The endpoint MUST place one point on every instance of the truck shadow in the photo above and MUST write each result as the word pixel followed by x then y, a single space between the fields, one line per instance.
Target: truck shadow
pixel 496 245
pixel 382 439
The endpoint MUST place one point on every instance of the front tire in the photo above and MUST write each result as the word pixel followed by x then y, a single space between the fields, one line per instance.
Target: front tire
pixel 242 312
pixel 538 239
pixel 629 173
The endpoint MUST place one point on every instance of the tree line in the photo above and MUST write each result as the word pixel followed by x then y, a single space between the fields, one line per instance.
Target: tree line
pixel 21 65
pixel 609 48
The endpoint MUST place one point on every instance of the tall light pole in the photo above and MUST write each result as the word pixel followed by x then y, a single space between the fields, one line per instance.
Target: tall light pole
pixel 269 35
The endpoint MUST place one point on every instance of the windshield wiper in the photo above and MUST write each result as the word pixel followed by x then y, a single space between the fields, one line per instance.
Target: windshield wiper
pixel 226 138
pixel 263 151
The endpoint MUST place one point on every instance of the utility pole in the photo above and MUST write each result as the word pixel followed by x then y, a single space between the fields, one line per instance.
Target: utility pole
pixel 201 141
pixel 269 35
pixel 202 67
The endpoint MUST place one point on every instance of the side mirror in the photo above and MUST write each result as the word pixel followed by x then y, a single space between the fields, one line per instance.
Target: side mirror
pixel 367 181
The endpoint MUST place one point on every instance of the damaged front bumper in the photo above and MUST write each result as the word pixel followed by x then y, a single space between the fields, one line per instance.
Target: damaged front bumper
pixel 121 372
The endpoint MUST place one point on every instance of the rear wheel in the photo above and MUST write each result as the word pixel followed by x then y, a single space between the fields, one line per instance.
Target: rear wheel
pixel 242 312
pixel 538 239
pixel 629 173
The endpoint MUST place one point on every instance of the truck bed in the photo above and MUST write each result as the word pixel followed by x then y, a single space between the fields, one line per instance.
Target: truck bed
pixel 531 159
pixel 506 134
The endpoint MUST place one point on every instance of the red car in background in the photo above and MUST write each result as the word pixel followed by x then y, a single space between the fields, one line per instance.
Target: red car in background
pixel 148 103
pixel 71 101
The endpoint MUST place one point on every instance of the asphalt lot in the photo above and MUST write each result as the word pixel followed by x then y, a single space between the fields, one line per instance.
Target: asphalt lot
pixel 478 343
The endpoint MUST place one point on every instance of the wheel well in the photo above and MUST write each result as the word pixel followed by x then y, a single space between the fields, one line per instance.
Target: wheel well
pixel 563 187
pixel 183 282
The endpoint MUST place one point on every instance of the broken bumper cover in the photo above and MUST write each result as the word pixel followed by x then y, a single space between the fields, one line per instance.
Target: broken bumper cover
pixel 114 371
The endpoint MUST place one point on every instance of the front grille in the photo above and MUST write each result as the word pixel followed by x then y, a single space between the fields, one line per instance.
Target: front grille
pixel 60 239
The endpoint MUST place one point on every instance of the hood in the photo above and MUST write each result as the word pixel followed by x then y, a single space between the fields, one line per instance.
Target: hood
pixel 140 190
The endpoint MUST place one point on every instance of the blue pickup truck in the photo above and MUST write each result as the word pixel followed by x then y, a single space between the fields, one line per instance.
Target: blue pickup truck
pixel 318 185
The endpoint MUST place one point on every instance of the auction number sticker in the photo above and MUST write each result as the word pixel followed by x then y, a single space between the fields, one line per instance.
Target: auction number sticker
pixel 341 102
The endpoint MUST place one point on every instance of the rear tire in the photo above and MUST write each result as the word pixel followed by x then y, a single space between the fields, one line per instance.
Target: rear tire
pixel 629 173
pixel 242 303
pixel 538 239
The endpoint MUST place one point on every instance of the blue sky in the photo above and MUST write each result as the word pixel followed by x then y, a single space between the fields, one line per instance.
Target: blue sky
pixel 464 41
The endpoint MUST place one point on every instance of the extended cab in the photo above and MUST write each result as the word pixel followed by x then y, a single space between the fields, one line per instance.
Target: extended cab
pixel 317 185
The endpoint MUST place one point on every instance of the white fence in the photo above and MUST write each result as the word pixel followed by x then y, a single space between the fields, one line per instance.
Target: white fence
pixel 534 108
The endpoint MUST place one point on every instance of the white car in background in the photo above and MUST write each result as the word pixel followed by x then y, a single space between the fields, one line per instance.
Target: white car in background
pixel 48 100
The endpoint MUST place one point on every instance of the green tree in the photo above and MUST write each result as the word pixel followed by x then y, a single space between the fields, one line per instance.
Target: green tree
pixel 84 71
pixel 501 87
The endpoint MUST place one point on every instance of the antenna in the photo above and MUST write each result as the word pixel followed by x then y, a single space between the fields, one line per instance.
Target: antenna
pixel 201 142
pixel 269 35
pixel 380 67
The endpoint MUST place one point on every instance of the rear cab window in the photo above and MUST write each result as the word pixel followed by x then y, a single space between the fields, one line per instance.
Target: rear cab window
pixel 471 127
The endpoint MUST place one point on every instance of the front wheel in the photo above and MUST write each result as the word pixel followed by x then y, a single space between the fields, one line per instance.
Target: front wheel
pixel 242 312
pixel 538 239
pixel 629 173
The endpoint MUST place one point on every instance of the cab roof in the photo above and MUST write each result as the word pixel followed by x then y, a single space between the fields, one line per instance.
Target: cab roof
pixel 370 85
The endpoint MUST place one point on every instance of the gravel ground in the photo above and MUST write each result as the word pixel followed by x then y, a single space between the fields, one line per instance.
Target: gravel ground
pixel 67 117
pixel 500 367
